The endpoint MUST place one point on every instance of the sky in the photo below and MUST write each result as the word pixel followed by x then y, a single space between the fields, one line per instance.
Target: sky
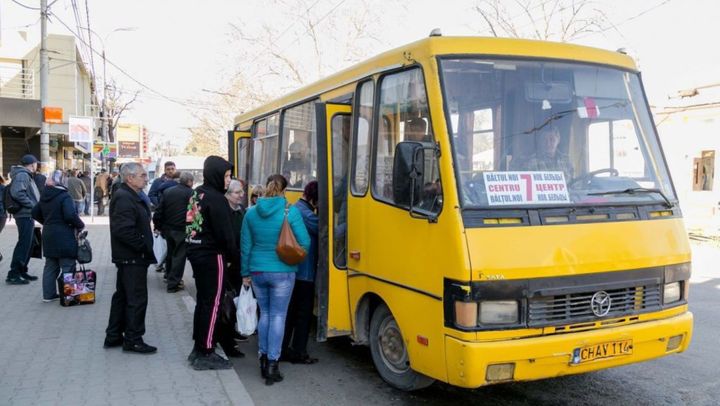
pixel 182 50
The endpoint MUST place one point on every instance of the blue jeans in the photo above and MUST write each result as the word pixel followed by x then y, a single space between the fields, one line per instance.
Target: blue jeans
pixel 53 267
pixel 273 291
pixel 88 206
pixel 79 206
pixel 21 255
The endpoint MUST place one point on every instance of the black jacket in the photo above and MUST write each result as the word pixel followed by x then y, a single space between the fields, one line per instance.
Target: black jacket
pixel 172 211
pixel 131 238
pixel 56 212
pixel 210 222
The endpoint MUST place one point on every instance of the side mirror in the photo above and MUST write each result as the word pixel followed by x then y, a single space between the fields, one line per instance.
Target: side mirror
pixel 408 168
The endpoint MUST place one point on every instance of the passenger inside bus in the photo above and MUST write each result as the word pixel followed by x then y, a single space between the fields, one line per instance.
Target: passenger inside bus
pixel 297 168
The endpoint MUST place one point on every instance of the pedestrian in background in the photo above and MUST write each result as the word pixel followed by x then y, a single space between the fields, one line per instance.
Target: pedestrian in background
pixel 211 245
pixel 85 178
pixel 257 192
pixel 77 191
pixel 300 310
pixel 271 278
pixel 154 192
pixel 3 213
pixel 39 179
pixel 61 223
pixel 169 219
pixel 25 192
pixel 102 182
pixel 131 244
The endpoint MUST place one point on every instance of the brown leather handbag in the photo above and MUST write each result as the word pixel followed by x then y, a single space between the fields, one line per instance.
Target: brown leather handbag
pixel 288 249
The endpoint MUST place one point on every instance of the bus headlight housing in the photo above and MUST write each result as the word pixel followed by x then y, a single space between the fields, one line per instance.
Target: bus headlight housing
pixel 671 293
pixel 498 312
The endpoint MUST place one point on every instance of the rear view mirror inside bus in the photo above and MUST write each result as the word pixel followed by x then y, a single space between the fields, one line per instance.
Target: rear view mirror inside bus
pixel 556 92
pixel 408 173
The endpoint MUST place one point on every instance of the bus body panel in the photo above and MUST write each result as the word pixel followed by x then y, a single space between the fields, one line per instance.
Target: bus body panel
pixel 550 356
pixel 537 251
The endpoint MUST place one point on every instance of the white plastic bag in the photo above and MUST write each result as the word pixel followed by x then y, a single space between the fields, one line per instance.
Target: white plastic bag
pixel 246 311
pixel 159 248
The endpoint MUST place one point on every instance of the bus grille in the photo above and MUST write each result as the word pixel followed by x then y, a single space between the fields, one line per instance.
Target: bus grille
pixel 574 308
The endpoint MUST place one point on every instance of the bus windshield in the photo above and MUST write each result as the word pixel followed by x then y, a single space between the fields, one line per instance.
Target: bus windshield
pixel 542 133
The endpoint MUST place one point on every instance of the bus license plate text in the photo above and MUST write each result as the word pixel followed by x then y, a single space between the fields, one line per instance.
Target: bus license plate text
pixel 603 350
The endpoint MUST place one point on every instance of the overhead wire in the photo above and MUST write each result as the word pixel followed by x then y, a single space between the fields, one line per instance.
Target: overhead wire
pixel 186 103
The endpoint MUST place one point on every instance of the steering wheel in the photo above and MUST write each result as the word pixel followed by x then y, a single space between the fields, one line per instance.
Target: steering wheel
pixel 587 178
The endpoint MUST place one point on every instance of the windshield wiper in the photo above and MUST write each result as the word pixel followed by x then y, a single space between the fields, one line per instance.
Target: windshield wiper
pixel 634 190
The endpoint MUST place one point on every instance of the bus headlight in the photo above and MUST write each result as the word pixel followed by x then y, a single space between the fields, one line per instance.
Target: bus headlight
pixel 498 312
pixel 671 293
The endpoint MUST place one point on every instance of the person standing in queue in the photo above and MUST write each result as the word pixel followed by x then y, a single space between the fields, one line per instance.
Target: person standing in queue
pixel 300 310
pixel 25 192
pixel 61 223
pixel 131 243
pixel 272 279
pixel 211 245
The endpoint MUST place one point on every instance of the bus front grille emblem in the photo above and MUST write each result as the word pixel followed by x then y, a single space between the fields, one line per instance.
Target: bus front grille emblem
pixel 601 303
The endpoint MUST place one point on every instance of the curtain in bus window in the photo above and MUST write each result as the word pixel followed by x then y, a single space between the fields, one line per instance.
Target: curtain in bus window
pixel 299 146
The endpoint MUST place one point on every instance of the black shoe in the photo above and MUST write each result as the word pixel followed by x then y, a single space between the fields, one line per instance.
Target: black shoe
pixel 140 348
pixel 273 374
pixel 302 359
pixel 231 351
pixel 264 366
pixel 28 277
pixel 52 299
pixel 205 362
pixel 239 337
pixel 16 280
pixel 110 343
pixel 1 257
pixel 194 354
pixel 175 289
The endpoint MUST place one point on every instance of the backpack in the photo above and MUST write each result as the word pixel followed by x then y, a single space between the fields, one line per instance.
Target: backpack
pixel 11 205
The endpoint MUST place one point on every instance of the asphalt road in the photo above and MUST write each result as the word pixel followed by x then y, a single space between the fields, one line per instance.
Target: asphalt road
pixel 345 374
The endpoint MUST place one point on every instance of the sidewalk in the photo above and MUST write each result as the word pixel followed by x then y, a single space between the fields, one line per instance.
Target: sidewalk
pixel 55 355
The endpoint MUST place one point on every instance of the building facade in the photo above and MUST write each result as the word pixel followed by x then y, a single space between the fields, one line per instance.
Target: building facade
pixel 69 88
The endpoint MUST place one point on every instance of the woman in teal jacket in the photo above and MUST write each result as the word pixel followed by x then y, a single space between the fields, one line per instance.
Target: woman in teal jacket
pixel 272 279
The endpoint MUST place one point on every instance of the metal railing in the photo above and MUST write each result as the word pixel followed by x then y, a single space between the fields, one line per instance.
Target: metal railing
pixel 17 82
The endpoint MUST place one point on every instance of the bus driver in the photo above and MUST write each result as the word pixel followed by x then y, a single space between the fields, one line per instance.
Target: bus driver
pixel 546 156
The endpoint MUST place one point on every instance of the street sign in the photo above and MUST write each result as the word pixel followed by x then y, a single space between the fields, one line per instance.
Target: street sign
pixel 106 150
pixel 80 129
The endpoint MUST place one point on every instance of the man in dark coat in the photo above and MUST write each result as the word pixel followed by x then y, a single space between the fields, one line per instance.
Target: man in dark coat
pixel 85 178
pixel 25 192
pixel 169 219
pixel 131 243
pixel 154 192
pixel 56 212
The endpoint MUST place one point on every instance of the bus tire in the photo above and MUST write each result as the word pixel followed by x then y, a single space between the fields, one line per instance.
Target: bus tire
pixel 389 353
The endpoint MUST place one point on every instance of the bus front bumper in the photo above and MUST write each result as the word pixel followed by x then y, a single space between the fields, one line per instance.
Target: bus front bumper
pixel 550 356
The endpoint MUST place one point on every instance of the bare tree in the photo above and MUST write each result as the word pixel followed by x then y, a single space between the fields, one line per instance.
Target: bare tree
pixel 307 40
pixel 558 20
pixel 117 102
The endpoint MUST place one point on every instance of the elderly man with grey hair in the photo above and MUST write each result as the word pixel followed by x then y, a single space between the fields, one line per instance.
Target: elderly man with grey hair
pixel 169 219
pixel 131 244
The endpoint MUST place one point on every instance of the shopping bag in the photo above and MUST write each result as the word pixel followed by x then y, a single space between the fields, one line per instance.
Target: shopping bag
pixel 84 254
pixel 159 248
pixel 77 287
pixel 246 311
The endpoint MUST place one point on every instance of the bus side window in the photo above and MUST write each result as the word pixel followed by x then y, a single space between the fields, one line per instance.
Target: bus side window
pixel 405 117
pixel 361 149
pixel 298 154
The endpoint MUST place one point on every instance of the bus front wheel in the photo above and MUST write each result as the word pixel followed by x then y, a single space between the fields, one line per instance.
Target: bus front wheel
pixel 389 353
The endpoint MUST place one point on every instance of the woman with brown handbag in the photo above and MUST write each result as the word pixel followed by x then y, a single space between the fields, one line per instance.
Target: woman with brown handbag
pixel 266 251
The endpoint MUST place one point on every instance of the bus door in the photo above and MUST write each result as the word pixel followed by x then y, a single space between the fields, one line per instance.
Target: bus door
pixel 334 124
pixel 239 156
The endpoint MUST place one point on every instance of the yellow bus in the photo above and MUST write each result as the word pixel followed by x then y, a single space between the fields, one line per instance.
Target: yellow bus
pixel 492 210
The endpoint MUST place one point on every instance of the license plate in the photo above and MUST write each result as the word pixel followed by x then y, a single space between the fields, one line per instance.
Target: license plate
pixel 603 350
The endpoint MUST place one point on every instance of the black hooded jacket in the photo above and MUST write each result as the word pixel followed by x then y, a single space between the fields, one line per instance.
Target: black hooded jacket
pixel 210 221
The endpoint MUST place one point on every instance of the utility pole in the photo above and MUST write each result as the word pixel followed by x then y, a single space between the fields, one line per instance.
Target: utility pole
pixel 45 128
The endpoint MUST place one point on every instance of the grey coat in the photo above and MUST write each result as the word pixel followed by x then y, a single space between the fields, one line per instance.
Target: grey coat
pixel 24 191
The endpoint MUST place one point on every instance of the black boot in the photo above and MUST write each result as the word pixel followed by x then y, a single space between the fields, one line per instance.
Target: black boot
pixel 264 366
pixel 274 374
